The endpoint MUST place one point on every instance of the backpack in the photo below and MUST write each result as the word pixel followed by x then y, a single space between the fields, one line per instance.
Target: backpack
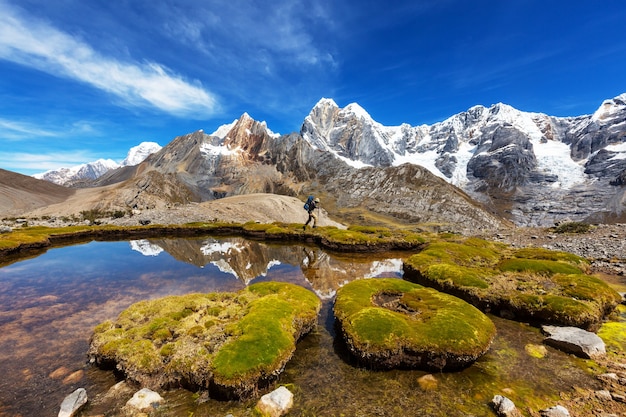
pixel 309 201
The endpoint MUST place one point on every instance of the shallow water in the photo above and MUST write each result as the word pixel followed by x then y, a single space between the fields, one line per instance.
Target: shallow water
pixel 50 304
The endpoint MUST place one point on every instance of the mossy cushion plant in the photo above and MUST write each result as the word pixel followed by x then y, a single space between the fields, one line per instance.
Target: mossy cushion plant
pixel 228 343
pixel 531 284
pixel 389 323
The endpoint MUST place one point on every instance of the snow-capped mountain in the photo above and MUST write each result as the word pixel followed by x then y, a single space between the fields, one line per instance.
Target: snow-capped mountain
pixel 528 165
pixel 530 168
pixel 93 170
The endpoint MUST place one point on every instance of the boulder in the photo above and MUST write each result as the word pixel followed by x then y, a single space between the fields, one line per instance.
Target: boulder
pixel 275 404
pixel 504 407
pixel 145 399
pixel 574 340
pixel 73 402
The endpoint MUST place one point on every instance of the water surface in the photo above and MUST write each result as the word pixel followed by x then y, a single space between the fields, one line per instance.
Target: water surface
pixel 50 304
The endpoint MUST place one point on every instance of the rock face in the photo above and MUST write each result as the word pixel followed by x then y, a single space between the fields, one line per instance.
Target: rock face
pixel 532 167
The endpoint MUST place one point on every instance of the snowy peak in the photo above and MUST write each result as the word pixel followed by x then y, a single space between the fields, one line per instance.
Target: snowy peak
pixel 93 170
pixel 137 154
pixel 610 109
pixel 68 176
pixel 223 130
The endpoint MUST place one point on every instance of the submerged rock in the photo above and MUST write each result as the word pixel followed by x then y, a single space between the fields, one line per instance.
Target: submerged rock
pixel 275 404
pixel 73 402
pixel 145 399
pixel 391 323
pixel 574 340
pixel 227 343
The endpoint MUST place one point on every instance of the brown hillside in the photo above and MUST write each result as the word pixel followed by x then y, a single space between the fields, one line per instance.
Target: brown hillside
pixel 21 193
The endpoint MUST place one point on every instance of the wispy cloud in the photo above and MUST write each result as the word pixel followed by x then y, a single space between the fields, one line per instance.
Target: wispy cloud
pixel 14 130
pixel 36 44
pixel 22 130
pixel 252 32
pixel 31 163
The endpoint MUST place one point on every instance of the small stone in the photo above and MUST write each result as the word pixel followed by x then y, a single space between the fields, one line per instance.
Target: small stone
pixel 73 402
pixel 276 404
pixel 610 376
pixel 504 407
pixel 604 395
pixel 620 397
pixel 427 382
pixel 556 411
pixel 59 373
pixel 145 399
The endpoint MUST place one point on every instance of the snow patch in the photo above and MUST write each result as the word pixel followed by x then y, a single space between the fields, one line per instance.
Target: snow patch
pixel 554 158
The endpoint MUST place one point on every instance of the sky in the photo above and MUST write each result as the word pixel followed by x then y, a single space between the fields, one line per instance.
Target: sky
pixel 82 80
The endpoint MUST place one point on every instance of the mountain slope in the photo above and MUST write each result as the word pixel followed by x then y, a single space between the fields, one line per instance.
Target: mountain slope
pixel 21 193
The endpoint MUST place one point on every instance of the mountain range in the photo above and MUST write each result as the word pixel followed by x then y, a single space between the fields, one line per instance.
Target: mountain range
pixel 76 175
pixel 477 169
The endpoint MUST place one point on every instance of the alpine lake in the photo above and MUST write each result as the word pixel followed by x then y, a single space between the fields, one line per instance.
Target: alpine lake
pixel 50 304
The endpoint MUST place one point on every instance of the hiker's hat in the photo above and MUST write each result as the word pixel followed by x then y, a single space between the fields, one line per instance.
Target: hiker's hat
pixel 317 200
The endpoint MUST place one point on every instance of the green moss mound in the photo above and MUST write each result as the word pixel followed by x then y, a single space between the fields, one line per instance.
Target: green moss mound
pixel 392 323
pixel 530 284
pixel 229 343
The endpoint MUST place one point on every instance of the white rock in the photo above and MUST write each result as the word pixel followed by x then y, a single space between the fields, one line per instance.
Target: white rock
pixel 556 411
pixel 277 403
pixel 73 402
pixel 504 407
pixel 144 399
pixel 574 340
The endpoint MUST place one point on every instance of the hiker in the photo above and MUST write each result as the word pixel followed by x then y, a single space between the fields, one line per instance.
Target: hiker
pixel 310 206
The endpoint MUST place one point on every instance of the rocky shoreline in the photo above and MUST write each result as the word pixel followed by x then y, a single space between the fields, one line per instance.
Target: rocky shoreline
pixel 604 245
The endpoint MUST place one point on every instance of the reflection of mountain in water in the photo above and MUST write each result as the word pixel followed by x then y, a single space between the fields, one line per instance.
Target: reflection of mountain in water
pixel 247 260
pixel 145 247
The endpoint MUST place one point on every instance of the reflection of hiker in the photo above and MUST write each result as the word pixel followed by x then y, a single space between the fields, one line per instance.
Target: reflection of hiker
pixel 310 206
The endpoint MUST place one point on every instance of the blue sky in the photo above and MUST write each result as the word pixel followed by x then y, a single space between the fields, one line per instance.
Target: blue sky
pixel 88 79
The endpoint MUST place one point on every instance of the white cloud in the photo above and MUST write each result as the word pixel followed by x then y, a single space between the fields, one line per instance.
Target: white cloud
pixel 34 43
